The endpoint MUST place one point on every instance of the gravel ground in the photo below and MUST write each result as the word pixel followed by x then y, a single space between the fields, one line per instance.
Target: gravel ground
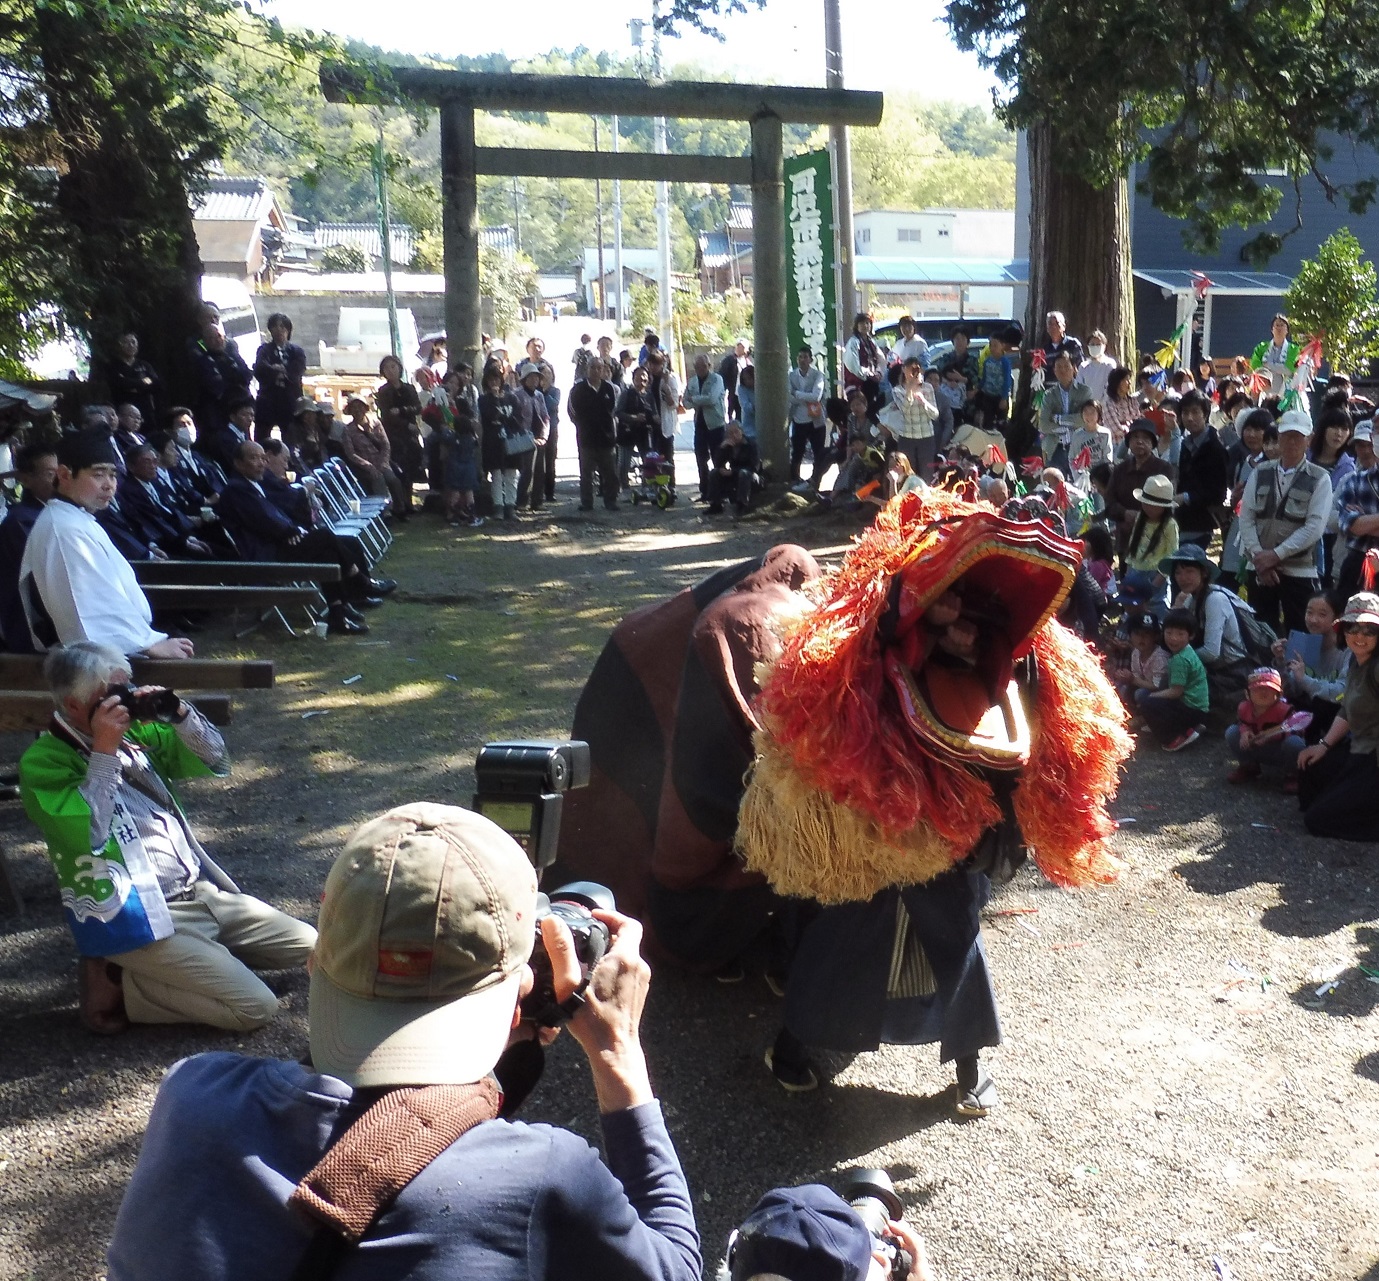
pixel 1173 1091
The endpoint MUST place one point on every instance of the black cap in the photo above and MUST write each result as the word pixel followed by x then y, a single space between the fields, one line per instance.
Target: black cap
pixel 78 450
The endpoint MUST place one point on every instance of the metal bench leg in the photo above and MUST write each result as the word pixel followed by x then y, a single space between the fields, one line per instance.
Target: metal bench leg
pixel 10 900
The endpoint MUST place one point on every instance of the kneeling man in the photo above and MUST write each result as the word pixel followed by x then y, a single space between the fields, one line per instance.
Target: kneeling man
pixel 164 935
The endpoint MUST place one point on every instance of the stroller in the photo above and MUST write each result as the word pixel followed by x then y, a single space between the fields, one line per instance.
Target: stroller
pixel 657 481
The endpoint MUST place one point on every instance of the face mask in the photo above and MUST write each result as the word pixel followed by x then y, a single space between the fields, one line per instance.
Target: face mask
pixel 184 437
pixel 1096 351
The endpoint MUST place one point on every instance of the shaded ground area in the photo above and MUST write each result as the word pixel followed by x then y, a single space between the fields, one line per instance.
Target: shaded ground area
pixel 1174 1090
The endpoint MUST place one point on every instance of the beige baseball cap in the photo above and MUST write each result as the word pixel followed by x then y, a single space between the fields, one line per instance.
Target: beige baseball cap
pixel 428 919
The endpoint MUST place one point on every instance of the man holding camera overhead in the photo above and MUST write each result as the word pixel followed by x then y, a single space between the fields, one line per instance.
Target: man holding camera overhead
pixel 164 935
pixel 388 1155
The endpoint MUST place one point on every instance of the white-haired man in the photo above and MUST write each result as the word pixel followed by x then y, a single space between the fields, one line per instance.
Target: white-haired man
pixel 164 935
pixel 427 923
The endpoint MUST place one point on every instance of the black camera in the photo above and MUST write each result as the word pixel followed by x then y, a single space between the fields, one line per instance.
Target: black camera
pixel 521 786
pixel 148 705
pixel 872 1194
pixel 574 904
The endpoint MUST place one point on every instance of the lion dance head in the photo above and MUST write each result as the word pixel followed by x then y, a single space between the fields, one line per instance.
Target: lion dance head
pixel 930 681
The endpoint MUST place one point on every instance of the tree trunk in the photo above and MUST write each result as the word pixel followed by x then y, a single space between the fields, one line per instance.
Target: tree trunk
pixel 1079 259
pixel 132 258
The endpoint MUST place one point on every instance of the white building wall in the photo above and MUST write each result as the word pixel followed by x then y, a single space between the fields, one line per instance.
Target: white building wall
pixel 935 233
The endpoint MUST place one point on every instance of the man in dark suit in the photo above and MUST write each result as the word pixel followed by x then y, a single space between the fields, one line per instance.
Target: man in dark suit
pixel 192 467
pixel 36 467
pixel 263 532
pixel 153 509
pixel 221 375
pixel 221 442
pixel 130 538
pixel 278 365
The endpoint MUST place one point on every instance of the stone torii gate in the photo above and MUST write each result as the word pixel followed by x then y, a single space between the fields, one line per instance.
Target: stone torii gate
pixel 459 94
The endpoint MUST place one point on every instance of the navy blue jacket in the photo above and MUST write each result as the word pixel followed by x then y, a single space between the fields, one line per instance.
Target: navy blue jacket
pixel 161 522
pixel 14 535
pixel 221 376
pixel 259 528
pixel 280 383
pixel 124 530
pixel 291 500
pixel 505 1202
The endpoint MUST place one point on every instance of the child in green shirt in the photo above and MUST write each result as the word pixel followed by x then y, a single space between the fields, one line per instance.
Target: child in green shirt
pixel 1176 714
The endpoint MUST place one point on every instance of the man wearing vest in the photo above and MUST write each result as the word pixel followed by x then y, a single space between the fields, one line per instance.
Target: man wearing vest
pixel 1283 515
pixel 387 1154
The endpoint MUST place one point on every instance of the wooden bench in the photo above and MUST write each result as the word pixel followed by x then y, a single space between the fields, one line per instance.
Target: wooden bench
pixel 183 596
pixel 232 573
pixel 31 710
pixel 25 672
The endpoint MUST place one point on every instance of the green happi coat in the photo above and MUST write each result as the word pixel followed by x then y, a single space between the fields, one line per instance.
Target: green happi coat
pixel 111 895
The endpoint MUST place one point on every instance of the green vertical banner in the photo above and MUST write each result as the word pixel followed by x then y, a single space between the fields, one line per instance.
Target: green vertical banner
pixel 810 291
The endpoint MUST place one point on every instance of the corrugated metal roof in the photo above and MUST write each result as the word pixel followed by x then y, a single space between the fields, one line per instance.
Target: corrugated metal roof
pixel 503 239
pixel 739 216
pixel 874 270
pixel 234 198
pixel 365 236
pixel 1264 283
pixel 713 249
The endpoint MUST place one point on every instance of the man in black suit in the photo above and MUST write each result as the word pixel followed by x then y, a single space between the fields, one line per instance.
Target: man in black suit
pixel 221 376
pixel 36 467
pixel 263 532
pixel 154 509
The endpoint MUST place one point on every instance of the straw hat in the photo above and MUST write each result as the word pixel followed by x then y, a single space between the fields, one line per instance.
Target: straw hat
pixel 1157 491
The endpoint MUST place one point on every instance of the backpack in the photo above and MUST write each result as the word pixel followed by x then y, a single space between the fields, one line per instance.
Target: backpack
pixel 1256 638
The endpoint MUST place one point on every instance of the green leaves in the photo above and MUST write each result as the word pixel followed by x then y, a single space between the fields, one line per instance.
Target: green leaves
pixel 1204 95
pixel 1335 295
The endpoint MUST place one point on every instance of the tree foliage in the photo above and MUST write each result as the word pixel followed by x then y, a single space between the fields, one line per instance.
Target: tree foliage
pixel 507 280
pixel 909 161
pixel 1205 96
pixel 112 115
pixel 345 258
pixel 1335 297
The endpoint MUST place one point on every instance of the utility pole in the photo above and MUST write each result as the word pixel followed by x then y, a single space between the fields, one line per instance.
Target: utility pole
pixel 664 319
pixel 841 148
pixel 620 316
pixel 385 231
pixel 598 232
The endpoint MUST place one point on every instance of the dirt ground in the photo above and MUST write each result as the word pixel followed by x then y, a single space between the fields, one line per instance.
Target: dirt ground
pixel 1177 1100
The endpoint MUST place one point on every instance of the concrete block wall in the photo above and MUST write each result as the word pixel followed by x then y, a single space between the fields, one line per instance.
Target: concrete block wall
pixel 316 317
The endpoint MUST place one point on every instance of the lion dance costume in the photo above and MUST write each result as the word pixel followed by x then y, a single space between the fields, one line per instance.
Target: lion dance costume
pixel 849 755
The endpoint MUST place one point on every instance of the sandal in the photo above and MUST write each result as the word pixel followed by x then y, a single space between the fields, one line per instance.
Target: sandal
pixel 796 1078
pixel 979 1099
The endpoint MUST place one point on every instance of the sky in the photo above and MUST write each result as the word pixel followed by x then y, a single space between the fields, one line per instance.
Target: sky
pixel 783 42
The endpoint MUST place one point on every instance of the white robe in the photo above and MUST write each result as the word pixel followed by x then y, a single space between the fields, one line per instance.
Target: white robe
pixel 87 587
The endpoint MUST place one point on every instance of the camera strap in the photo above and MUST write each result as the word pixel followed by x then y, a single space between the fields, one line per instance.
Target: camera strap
pixel 365 1169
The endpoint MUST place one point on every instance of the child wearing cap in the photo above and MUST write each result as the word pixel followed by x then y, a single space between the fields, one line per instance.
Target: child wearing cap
pixel 1262 734
pixel 1153 536
pixel 1147 668
pixel 1176 713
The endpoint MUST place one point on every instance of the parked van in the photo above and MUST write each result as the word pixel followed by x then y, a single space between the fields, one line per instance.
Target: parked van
pixel 238 315
pixel 363 339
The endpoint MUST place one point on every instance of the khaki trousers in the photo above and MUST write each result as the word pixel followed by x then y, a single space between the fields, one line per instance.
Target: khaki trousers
pixel 200 973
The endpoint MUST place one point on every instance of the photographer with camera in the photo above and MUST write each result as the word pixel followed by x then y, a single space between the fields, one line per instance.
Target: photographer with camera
pixel 389 1155
pixel 164 935
pixel 810 1233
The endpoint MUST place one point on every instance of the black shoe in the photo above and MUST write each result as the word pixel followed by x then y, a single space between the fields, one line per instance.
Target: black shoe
pixel 790 1065
pixel 714 509
pixel 368 602
pixel 381 586
pixel 352 613
pixel 340 623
